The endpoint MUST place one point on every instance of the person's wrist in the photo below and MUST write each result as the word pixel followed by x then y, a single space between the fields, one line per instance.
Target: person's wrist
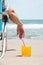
pixel 20 25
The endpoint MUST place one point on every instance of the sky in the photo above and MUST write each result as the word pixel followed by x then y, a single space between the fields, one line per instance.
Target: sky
pixel 27 9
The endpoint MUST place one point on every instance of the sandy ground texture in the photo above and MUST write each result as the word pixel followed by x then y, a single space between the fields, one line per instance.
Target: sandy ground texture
pixel 15 57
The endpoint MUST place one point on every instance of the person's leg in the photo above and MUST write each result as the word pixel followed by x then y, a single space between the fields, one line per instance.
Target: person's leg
pixel 16 20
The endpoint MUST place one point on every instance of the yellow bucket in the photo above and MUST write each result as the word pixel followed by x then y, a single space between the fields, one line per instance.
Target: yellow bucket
pixel 26 50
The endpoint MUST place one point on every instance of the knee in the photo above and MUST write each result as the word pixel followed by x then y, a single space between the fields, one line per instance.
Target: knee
pixel 11 14
pixel 10 11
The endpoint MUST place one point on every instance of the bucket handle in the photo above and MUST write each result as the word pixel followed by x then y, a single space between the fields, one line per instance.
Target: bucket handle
pixel 23 42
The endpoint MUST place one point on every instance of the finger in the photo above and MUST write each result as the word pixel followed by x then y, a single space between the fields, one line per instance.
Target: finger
pixel 21 35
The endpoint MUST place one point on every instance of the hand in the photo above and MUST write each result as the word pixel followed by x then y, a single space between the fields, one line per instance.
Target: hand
pixel 20 31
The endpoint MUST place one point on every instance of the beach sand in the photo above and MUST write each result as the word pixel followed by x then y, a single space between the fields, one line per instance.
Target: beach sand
pixel 15 57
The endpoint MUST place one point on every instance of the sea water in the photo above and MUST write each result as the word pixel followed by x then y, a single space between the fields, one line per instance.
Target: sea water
pixel 33 29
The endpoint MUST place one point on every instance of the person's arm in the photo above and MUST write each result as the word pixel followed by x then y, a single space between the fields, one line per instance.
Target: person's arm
pixel 13 16
pixel 20 30
pixel 16 20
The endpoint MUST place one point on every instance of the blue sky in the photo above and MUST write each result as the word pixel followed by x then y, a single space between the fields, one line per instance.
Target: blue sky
pixel 27 9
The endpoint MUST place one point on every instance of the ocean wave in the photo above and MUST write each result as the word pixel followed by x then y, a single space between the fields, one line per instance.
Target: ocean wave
pixel 31 30
pixel 26 26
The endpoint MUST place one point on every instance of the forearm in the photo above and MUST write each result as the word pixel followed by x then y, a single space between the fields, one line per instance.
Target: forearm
pixel 15 19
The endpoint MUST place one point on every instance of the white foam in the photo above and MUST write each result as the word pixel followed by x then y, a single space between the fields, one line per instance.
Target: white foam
pixel 26 26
